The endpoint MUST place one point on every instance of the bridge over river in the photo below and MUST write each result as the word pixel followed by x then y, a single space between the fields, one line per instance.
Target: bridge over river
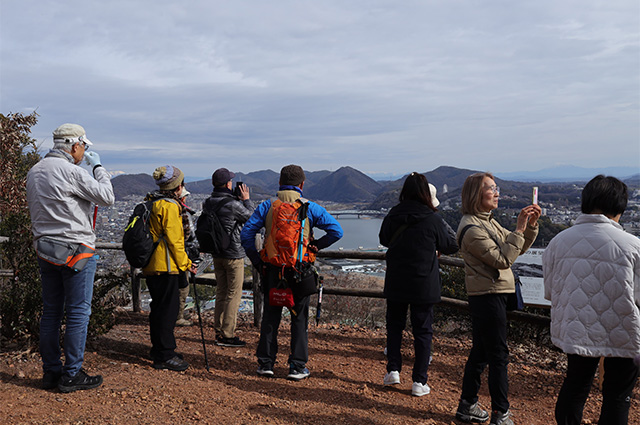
pixel 359 213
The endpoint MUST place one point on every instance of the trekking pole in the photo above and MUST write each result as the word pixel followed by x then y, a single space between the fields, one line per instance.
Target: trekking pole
pixel 202 265
pixel 319 307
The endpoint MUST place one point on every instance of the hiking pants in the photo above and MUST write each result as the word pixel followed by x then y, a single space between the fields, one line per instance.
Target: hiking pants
pixel 421 326
pixel 229 280
pixel 164 306
pixel 268 344
pixel 489 332
pixel 620 376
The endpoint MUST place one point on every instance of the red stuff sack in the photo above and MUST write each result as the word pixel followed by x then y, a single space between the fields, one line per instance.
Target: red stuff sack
pixel 281 297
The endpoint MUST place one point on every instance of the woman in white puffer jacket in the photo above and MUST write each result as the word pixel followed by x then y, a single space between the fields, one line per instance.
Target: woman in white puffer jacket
pixel 592 278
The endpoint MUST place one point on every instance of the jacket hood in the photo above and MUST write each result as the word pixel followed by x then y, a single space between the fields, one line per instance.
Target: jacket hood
pixel 410 212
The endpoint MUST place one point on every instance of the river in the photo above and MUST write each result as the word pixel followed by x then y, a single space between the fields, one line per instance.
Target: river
pixel 359 233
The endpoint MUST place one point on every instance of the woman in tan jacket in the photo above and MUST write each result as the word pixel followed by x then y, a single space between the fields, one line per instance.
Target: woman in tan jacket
pixel 488 251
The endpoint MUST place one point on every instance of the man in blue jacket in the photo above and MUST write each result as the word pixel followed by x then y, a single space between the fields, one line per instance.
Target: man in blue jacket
pixel 290 192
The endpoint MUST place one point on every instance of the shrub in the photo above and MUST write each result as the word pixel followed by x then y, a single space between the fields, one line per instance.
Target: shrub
pixel 20 296
pixel 20 302
pixel 347 310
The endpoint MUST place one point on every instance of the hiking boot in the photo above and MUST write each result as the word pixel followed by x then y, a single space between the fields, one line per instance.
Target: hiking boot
pixel 230 342
pixel 501 418
pixel 183 322
pixel 265 370
pixel 81 381
pixel 297 374
pixel 468 412
pixel 392 378
pixel 50 380
pixel 418 389
pixel 174 363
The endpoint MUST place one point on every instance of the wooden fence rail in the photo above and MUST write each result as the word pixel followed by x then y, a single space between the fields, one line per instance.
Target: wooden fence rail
pixel 258 301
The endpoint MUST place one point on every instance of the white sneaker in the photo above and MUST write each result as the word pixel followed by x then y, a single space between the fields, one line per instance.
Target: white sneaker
pixel 418 389
pixel 392 378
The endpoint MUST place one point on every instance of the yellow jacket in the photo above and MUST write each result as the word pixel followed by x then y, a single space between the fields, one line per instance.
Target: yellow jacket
pixel 166 224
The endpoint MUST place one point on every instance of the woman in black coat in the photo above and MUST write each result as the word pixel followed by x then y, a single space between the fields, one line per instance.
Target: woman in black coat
pixel 415 236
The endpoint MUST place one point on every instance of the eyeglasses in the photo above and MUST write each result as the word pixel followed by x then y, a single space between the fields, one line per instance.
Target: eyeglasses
pixel 493 188
pixel 84 144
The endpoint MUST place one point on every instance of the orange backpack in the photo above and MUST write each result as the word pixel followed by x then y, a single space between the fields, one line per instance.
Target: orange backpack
pixel 285 244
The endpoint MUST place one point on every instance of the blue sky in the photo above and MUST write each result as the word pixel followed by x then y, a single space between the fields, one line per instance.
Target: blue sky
pixel 382 86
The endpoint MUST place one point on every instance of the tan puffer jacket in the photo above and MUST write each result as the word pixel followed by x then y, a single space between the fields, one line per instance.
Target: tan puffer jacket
pixel 489 250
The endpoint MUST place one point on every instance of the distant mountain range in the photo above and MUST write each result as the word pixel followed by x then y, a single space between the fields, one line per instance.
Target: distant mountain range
pixel 348 185
pixel 571 173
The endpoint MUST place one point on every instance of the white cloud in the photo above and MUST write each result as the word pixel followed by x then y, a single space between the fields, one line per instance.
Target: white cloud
pixel 376 85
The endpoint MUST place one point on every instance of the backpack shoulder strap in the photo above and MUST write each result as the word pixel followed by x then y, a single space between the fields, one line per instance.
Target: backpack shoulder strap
pixel 464 230
pixel 218 206
pixel 398 232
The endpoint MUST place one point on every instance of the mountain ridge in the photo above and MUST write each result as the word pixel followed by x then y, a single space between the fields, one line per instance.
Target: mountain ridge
pixel 349 185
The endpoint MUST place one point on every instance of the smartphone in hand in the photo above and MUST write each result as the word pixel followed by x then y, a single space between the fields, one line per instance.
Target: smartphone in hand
pixel 535 195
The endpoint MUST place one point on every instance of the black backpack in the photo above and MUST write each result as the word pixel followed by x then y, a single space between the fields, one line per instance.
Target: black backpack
pixel 211 236
pixel 137 242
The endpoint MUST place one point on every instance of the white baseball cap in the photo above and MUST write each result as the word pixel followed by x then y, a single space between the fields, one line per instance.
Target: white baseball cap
pixel 70 133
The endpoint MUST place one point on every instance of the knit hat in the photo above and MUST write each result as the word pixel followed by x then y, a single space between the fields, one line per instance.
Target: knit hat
pixel 168 177
pixel 291 175
pixel 70 133
pixel 434 200
pixel 221 176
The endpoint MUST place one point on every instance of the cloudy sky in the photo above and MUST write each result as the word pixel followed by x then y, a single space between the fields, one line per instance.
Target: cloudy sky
pixel 382 86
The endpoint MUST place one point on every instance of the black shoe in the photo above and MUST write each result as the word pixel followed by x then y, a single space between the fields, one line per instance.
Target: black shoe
pixel 265 371
pixel 81 381
pixel 174 363
pixel 468 412
pixel 50 380
pixel 230 342
pixel 500 418
pixel 297 374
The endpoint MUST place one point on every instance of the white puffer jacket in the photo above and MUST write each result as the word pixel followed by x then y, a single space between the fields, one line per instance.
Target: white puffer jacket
pixel 592 278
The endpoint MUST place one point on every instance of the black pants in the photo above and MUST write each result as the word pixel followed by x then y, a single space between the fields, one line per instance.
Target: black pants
pixel 271 316
pixel 620 375
pixel 165 302
pixel 489 322
pixel 421 326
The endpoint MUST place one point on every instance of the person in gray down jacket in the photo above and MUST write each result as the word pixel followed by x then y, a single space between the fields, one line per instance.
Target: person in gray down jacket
pixel 232 211
pixel 592 278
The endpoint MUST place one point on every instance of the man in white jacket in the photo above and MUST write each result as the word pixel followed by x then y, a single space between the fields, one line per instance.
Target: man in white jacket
pixel 61 197
pixel 592 278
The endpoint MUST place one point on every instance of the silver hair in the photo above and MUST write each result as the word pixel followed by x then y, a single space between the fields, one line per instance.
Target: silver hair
pixel 63 146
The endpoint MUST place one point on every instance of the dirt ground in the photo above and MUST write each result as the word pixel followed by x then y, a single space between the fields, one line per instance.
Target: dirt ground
pixel 347 366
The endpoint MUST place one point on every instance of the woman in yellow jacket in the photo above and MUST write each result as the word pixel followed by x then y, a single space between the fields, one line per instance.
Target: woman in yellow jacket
pixel 168 261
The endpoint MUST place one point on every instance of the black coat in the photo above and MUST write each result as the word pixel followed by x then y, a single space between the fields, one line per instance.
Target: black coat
pixel 413 233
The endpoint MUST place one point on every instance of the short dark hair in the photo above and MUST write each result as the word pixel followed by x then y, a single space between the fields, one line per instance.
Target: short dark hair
pixel 604 194
pixel 291 175
pixel 416 188
pixel 472 193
